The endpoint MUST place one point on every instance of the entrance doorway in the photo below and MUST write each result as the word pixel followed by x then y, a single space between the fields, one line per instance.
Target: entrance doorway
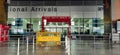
pixel 57 24
pixel 62 30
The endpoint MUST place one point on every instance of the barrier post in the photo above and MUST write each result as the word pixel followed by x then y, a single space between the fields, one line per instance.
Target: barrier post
pixel 68 45
pixel 69 49
pixel 33 45
pixel 66 42
pixel 27 47
pixel 18 48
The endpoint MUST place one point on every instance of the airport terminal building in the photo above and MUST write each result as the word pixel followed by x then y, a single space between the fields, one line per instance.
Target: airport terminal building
pixel 87 17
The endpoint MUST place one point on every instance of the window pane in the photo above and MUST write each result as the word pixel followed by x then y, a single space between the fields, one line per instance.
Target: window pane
pixel 81 21
pixel 87 25
pixel 36 23
pixel 76 21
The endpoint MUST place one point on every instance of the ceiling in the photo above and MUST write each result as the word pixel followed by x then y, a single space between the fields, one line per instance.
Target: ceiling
pixel 56 0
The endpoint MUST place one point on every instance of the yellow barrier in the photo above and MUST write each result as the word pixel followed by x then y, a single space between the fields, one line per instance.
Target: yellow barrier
pixel 43 37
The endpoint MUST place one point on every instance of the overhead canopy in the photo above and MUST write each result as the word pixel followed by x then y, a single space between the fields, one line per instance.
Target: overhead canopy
pixel 66 19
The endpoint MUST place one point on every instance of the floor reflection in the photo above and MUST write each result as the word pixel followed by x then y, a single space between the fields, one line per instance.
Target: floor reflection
pixel 93 47
pixel 78 47
pixel 50 50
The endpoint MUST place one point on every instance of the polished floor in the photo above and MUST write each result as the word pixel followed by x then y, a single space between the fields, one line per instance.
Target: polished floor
pixel 78 47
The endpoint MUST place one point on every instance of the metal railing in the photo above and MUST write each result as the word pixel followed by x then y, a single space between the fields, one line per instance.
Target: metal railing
pixel 20 51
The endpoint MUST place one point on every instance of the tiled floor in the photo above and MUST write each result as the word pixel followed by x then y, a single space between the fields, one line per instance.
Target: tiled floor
pixel 91 47
pixel 78 47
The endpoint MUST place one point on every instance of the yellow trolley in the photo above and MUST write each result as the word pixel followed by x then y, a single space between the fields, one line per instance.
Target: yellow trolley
pixel 43 38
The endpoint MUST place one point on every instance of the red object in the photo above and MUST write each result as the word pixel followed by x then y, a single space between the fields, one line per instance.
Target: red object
pixel 1 31
pixel 66 19
pixel 4 32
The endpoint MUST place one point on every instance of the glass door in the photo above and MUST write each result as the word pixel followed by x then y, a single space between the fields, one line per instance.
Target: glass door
pixel 87 25
pixel 64 31
pixel 81 26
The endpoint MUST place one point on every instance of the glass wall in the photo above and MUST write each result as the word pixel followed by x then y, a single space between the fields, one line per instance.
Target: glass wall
pixel 19 25
pixel 92 26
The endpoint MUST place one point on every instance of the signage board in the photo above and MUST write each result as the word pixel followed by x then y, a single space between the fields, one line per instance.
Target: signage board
pixel 115 38
pixel 39 11
pixel 118 26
